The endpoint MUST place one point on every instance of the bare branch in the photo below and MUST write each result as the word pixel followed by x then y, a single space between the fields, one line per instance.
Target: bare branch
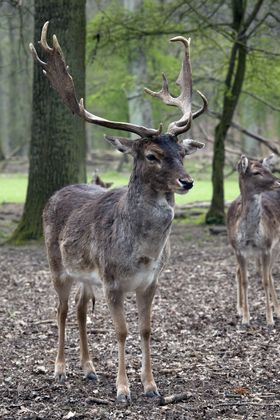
pixel 210 140
pixel 257 137
pixel 262 100
pixel 252 16
pixel 271 144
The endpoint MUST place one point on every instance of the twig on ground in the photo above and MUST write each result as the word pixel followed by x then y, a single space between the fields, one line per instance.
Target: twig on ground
pixel 170 399
pixel 43 321
pixel 93 400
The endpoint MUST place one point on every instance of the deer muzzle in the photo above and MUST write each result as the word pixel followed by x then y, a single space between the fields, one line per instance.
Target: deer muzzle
pixel 185 183
pixel 276 185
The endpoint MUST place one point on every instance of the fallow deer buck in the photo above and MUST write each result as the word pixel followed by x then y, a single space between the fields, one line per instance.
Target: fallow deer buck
pixel 121 235
pixel 253 224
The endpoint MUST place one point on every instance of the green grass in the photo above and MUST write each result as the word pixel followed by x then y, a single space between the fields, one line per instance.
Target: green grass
pixel 13 188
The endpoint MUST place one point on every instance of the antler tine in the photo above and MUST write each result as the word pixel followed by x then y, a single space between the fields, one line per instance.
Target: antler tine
pixel 183 101
pixel 163 94
pixel 204 106
pixel 43 42
pixel 56 70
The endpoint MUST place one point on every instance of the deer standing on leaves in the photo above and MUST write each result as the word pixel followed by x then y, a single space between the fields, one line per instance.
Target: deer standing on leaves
pixel 121 235
pixel 253 224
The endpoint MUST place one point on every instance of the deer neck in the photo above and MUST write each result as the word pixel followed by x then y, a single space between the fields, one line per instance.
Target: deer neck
pixel 251 211
pixel 150 212
pixel 139 192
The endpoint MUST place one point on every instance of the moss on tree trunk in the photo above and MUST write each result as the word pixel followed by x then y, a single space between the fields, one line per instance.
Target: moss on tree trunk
pixel 57 149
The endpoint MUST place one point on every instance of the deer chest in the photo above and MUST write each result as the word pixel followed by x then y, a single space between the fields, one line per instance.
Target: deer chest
pixel 251 238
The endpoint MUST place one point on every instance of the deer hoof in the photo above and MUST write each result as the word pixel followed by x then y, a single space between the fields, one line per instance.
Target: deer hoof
pixel 59 373
pixel 124 399
pixel 60 377
pixel 152 394
pixel 91 376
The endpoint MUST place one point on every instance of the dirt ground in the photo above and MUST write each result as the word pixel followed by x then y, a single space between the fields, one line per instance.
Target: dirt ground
pixel 198 344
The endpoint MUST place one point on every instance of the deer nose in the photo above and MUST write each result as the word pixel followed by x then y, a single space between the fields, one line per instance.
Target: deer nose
pixel 187 184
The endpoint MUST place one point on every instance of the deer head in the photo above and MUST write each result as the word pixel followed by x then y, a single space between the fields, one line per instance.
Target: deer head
pixel 255 176
pixel 152 146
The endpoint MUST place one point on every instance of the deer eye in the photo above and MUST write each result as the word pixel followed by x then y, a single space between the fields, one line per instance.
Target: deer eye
pixel 151 158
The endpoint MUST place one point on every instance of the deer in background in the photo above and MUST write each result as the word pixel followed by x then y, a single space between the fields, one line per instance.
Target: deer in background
pixel 253 224
pixel 97 180
pixel 121 235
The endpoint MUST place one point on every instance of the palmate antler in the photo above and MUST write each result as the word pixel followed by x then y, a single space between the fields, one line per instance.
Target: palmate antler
pixel 183 101
pixel 56 70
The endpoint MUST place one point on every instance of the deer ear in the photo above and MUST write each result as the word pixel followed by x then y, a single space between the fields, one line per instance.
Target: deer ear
pixel 269 161
pixel 191 146
pixel 243 164
pixel 122 144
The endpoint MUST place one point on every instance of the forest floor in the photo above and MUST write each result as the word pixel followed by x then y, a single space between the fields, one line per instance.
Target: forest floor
pixel 198 345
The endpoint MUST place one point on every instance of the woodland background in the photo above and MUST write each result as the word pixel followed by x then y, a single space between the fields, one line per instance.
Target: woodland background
pixel 114 49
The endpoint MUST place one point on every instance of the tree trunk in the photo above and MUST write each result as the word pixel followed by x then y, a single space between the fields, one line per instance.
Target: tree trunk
pixel 139 108
pixel 57 150
pixel 13 115
pixel 233 85
pixel 2 155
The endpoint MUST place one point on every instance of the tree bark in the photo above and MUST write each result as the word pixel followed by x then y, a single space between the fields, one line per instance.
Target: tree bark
pixel 2 114
pixel 57 149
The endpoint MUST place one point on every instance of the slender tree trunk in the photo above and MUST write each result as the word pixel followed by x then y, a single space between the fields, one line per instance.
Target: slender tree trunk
pixel 233 85
pixel 57 150
pixel 139 108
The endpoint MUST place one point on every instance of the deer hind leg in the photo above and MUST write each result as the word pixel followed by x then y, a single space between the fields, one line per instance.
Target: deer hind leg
pixel 266 279
pixel 115 303
pixel 274 295
pixel 63 288
pixel 243 288
pixel 144 303
pixel 85 293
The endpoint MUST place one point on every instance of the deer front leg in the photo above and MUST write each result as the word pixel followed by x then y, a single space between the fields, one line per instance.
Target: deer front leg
pixel 63 288
pixel 266 278
pixel 243 288
pixel 84 295
pixel 144 303
pixel 115 303
pixel 239 305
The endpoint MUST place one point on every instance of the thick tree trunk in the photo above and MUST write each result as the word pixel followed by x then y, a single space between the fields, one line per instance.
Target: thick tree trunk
pixel 2 156
pixel 13 115
pixel 57 150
